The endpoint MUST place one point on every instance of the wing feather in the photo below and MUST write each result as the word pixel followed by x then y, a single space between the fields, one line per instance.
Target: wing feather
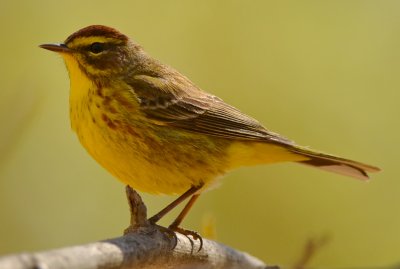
pixel 181 104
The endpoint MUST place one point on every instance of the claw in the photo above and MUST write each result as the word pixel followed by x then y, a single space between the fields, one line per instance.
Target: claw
pixel 187 233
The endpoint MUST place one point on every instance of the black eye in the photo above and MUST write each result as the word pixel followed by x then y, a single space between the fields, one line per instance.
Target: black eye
pixel 96 47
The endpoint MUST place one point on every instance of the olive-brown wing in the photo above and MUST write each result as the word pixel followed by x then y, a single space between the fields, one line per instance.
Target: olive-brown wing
pixel 197 111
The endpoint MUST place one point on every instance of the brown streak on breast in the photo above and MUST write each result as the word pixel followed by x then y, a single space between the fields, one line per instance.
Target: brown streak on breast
pixel 112 125
pixel 100 92
pixel 104 117
pixel 131 131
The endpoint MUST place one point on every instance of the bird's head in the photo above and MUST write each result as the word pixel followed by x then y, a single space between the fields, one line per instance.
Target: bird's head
pixel 98 51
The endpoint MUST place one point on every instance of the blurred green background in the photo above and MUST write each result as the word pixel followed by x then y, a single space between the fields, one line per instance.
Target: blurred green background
pixel 324 73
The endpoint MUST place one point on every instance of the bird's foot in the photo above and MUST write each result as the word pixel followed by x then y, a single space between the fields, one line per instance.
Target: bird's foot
pixel 187 233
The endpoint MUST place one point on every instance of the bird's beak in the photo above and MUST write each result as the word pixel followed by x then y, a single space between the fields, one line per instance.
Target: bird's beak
pixel 61 48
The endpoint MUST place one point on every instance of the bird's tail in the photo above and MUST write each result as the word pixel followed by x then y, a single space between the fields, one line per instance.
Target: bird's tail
pixel 335 164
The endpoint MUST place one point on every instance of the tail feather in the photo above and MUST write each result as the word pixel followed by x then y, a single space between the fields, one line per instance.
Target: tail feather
pixel 336 164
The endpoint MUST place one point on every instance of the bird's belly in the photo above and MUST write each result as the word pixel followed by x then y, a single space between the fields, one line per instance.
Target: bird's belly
pixel 154 160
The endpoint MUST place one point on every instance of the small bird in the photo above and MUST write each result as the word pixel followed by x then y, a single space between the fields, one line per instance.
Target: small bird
pixel 156 131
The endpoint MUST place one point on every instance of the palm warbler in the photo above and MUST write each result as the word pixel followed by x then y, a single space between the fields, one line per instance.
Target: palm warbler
pixel 155 130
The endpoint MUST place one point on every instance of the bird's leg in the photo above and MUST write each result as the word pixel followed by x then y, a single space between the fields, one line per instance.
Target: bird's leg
pixel 175 203
pixel 175 225
pixel 184 212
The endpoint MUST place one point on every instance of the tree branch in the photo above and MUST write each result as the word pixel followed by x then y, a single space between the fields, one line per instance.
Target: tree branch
pixel 144 245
